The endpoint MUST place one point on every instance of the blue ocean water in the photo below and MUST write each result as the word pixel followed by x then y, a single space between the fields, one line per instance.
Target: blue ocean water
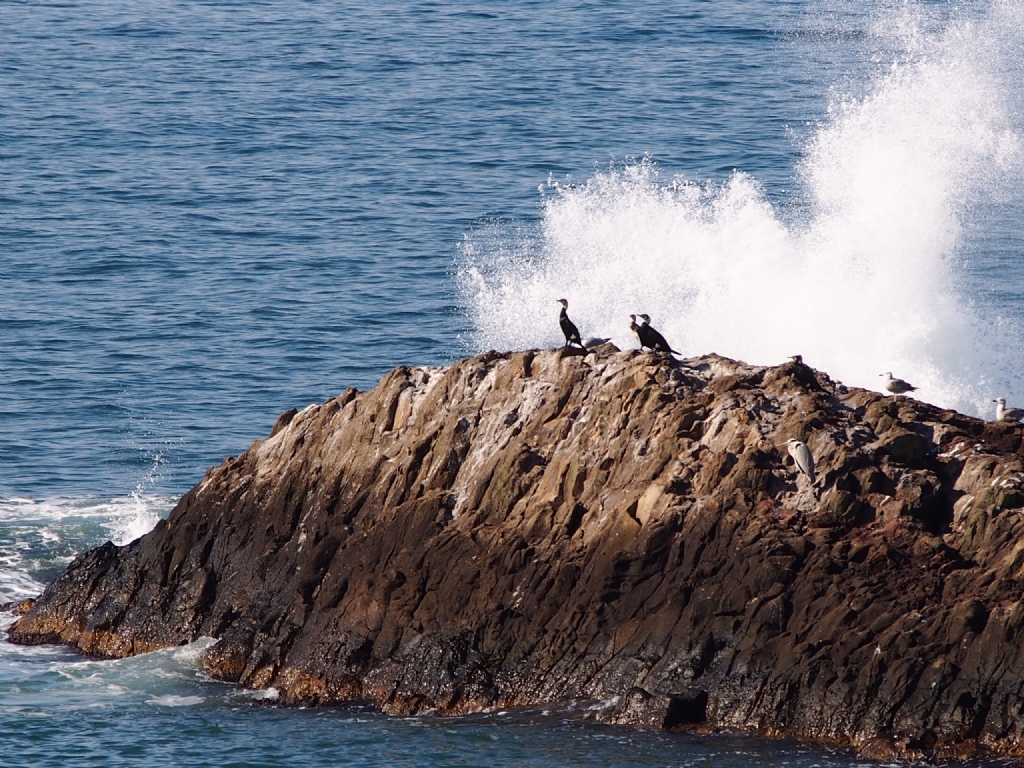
pixel 211 212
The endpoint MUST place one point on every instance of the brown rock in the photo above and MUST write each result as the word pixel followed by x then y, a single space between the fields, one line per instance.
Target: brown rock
pixel 618 527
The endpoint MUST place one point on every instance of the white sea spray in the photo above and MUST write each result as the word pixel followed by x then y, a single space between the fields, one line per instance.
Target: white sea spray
pixel 142 517
pixel 868 277
pixel 39 537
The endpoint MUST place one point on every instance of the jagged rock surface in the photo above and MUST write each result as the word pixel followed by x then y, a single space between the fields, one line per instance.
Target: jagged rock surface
pixel 535 527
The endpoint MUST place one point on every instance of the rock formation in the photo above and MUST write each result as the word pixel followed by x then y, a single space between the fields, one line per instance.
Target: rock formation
pixel 614 527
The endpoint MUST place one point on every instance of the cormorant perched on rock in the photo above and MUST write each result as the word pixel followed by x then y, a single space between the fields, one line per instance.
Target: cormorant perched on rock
pixel 1007 414
pixel 572 333
pixel 802 457
pixel 648 336
pixel 635 328
pixel 642 331
pixel 896 386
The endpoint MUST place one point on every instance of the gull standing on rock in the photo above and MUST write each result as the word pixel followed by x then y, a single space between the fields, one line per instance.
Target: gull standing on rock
pixel 802 457
pixel 1007 414
pixel 594 341
pixel 569 329
pixel 896 386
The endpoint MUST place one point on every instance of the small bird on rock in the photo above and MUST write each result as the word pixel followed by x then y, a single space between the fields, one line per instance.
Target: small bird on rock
pixel 798 359
pixel 896 386
pixel 1007 414
pixel 569 329
pixel 648 336
pixel 634 326
pixel 802 457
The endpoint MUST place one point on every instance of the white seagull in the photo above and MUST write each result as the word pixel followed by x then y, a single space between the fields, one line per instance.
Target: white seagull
pixel 896 386
pixel 802 456
pixel 1007 414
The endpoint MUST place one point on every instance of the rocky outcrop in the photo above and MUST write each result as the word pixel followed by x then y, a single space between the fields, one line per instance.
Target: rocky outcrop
pixel 617 527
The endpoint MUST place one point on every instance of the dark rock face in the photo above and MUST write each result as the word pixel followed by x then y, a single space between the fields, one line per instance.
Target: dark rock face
pixel 536 527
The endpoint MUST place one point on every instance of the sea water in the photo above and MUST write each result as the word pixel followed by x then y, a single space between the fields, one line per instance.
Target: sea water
pixel 211 212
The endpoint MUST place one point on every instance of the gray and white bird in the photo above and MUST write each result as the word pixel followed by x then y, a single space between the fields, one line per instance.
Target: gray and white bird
pixel 801 456
pixel 896 386
pixel 1007 414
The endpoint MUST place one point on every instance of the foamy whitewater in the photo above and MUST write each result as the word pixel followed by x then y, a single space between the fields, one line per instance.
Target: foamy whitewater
pixel 861 272
pixel 44 536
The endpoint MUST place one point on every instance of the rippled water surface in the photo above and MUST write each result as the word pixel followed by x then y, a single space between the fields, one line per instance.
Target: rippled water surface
pixel 211 212
pixel 214 212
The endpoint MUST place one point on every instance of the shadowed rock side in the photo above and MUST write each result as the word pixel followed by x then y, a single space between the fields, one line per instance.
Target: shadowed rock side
pixel 618 527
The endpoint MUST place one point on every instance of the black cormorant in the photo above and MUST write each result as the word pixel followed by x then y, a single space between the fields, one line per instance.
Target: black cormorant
pixel 572 333
pixel 648 336
pixel 635 328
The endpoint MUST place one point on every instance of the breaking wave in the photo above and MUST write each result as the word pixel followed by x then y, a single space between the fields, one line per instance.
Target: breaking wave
pixel 871 274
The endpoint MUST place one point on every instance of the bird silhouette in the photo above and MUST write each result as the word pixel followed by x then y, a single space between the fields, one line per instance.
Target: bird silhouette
pixel 569 329
pixel 648 336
